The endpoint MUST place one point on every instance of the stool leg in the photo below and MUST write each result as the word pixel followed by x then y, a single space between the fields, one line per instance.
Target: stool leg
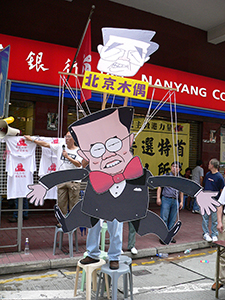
pixel 76 240
pixel 103 239
pixel 55 241
pixel 70 236
pixel 76 280
pixel 125 286
pixel 107 285
pixel 98 287
pixel 60 239
pixel 83 280
pixel 131 285
pixel 88 285
pixel 114 288
pixel 94 280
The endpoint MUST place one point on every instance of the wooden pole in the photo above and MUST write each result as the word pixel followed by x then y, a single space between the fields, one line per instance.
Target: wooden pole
pixel 104 101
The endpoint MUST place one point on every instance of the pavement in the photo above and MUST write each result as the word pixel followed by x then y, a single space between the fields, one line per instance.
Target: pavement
pixel 40 229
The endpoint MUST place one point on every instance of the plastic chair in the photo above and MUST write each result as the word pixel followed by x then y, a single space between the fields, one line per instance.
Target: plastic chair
pixel 115 274
pixel 70 237
pixel 90 271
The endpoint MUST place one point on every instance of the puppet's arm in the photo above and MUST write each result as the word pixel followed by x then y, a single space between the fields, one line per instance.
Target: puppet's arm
pixel 48 181
pixel 189 187
pixel 181 184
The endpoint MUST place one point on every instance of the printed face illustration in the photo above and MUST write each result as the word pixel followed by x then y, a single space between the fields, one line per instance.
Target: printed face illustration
pixel 122 56
pixel 105 143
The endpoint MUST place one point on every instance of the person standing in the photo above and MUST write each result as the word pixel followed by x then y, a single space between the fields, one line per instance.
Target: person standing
pixel 197 176
pixel 169 202
pixel 213 181
pixel 221 237
pixel 132 239
pixel 67 158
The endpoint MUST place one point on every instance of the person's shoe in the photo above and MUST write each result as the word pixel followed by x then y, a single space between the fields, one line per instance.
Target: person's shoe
pixel 114 264
pixel 214 286
pixel 13 220
pixel 207 237
pixel 88 260
pixel 194 211
pixel 173 241
pixel 134 251
pixel 214 238
pixel 25 218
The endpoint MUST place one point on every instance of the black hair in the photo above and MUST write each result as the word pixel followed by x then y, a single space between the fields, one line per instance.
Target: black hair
pixel 199 162
pixel 125 117
pixel 177 163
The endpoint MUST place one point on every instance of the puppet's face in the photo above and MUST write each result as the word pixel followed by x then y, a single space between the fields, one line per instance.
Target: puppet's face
pixel 105 143
pixel 122 56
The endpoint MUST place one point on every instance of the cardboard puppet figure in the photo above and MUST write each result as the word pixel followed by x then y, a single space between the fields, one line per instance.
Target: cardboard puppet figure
pixel 117 183
pixel 124 51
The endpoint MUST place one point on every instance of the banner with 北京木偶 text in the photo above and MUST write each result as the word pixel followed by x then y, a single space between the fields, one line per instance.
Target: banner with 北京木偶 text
pixel 157 147
pixel 116 85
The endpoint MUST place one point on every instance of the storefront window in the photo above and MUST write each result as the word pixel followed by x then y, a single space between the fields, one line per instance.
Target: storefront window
pixel 23 113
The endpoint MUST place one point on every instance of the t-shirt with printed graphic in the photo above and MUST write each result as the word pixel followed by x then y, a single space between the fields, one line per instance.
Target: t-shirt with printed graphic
pixel 19 146
pixel 48 162
pixel 62 162
pixel 20 175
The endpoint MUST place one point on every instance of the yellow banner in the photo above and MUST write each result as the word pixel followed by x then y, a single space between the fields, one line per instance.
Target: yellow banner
pixel 156 147
pixel 110 84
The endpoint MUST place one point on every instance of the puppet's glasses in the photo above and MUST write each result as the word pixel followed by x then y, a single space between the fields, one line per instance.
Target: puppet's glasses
pixel 112 145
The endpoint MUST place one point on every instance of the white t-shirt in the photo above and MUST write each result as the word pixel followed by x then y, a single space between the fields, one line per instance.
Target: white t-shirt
pixel 20 175
pixel 48 162
pixel 62 162
pixel 221 199
pixel 19 146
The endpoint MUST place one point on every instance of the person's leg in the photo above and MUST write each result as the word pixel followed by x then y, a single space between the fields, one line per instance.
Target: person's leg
pixel 62 198
pixel 131 236
pixel 214 224
pixel 173 213
pixel 25 206
pixel 205 224
pixel 165 209
pixel 93 241
pixel 221 237
pixel 74 193
pixel 115 230
pixel 15 213
pixel 195 205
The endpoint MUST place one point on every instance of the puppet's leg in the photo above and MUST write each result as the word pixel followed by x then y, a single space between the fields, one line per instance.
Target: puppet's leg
pixel 152 223
pixel 74 219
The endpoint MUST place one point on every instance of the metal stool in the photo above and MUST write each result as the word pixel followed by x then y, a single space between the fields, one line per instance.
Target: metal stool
pixel 90 269
pixel 115 274
pixel 70 237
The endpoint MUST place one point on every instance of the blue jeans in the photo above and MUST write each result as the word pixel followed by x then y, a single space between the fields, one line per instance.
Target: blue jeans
pixel 131 236
pixel 205 224
pixel 169 209
pixel 195 205
pixel 115 230
pixel 25 206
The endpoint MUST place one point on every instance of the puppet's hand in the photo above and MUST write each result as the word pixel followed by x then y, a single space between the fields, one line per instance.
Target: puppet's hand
pixel 206 203
pixel 37 194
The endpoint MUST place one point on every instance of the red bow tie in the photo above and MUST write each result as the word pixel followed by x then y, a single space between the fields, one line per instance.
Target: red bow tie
pixel 101 181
